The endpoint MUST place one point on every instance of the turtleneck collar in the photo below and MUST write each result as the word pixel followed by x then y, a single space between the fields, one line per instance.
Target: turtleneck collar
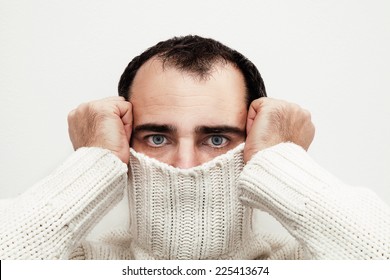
pixel 190 213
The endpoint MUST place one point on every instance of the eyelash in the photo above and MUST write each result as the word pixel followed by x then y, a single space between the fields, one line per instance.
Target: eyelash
pixel 226 139
pixel 149 141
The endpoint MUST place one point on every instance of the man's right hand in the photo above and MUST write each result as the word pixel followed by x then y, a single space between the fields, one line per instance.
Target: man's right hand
pixel 105 123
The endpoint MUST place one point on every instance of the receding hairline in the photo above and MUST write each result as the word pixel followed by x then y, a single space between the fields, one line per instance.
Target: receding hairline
pixel 167 63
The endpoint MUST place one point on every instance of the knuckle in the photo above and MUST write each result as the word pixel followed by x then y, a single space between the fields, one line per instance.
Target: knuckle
pixel 255 103
pixel 71 115
pixel 295 107
pixel 313 128
pixel 95 110
pixel 307 114
pixel 83 107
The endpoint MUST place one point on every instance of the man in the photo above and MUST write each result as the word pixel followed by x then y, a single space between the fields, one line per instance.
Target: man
pixel 186 108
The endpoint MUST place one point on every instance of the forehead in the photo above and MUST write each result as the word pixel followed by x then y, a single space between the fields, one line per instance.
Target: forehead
pixel 164 93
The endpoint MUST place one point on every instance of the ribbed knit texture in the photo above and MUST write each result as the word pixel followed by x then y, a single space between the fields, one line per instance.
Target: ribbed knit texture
pixel 187 213
pixel 200 213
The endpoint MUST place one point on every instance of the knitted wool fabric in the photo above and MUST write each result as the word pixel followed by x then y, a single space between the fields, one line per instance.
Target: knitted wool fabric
pixel 187 213
pixel 195 213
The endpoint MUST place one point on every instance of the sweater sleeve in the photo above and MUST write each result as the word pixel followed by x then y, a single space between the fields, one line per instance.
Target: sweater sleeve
pixel 51 218
pixel 330 219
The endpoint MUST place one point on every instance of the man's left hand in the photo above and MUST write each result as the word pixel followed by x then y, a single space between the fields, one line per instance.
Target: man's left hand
pixel 271 121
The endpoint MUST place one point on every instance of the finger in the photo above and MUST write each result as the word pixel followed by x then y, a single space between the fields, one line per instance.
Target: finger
pixel 112 98
pixel 126 115
pixel 123 107
pixel 127 120
pixel 254 108
pixel 98 102
pixel 71 115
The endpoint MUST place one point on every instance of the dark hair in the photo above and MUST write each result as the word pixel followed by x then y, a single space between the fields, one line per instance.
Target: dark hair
pixel 195 55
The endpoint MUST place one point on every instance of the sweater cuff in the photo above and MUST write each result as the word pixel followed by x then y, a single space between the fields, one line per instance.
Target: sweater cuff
pixel 49 219
pixel 329 218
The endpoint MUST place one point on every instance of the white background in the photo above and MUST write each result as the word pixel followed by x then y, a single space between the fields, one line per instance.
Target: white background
pixel 331 57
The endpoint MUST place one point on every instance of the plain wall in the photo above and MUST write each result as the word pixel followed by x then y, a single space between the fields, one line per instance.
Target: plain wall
pixel 331 57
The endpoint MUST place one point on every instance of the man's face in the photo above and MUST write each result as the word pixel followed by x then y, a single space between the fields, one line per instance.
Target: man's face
pixel 183 120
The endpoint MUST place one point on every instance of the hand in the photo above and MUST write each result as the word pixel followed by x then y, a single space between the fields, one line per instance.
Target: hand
pixel 271 121
pixel 104 123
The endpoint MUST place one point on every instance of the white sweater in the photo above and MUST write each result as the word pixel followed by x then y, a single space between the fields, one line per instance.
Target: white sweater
pixel 326 218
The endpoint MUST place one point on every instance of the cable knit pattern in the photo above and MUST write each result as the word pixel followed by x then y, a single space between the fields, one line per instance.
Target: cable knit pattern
pixel 332 220
pixel 49 219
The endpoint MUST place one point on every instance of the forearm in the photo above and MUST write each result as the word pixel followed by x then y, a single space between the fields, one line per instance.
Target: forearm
pixel 330 219
pixel 49 219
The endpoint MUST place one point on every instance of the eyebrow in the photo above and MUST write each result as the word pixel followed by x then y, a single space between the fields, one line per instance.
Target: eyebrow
pixel 151 127
pixel 204 129
pixel 219 129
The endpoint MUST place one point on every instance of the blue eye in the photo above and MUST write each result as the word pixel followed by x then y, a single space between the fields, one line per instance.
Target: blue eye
pixel 217 140
pixel 157 139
